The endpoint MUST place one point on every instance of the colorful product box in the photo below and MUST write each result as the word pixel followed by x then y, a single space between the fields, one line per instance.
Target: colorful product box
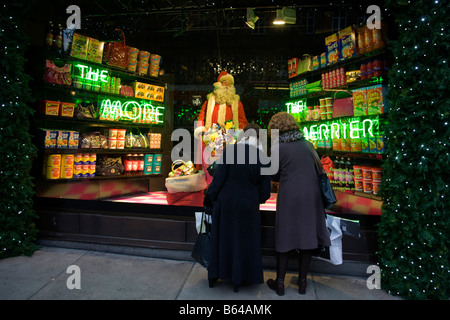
pixel 157 159
pixel 148 159
pixel 148 91
pixel 67 109
pixel 148 168
pixel 49 137
pixel 50 108
pixel 73 139
pixel 365 145
pixel 332 44
pixel 347 40
pixel 62 139
pixel 292 67
pixel 359 102
pixel 79 46
pixel 381 143
pixel 156 169
pixel 95 50
pixel 376 99
pixel 323 60
pixel 373 144
pixel 316 62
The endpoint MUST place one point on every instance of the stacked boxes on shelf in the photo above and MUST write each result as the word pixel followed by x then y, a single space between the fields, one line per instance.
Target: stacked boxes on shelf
pixel 152 163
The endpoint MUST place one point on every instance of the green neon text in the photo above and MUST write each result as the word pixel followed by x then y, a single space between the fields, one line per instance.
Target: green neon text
pixel 297 106
pixel 91 74
pixel 354 128
pixel 131 110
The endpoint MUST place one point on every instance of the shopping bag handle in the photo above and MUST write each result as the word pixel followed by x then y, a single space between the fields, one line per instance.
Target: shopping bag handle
pixel 123 35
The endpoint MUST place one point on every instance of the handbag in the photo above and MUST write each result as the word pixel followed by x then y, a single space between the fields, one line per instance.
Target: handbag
pixel 327 192
pixel 57 75
pixel 342 107
pixel 116 53
pixel 109 166
pixel 202 250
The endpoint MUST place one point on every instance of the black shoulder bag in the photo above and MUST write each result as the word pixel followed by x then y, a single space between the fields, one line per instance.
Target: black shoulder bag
pixel 328 196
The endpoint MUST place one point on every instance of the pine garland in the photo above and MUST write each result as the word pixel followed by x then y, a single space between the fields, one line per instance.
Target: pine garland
pixel 17 229
pixel 414 228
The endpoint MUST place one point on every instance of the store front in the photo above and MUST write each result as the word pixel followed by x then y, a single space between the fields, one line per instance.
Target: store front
pixel 105 115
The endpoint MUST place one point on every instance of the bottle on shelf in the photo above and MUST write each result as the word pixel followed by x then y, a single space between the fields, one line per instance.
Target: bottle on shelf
pixel 128 165
pixel 336 170
pixel 58 38
pixel 134 164
pixel 350 174
pixel 49 35
pixel 140 164
pixel 342 172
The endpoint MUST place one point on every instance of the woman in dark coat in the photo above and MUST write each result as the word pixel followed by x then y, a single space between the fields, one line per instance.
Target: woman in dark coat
pixel 300 215
pixel 236 192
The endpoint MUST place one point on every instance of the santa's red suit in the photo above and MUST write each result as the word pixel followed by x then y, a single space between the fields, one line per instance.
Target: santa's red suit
pixel 218 109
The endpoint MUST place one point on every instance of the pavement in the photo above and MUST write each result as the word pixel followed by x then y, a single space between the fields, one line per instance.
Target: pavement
pixel 55 273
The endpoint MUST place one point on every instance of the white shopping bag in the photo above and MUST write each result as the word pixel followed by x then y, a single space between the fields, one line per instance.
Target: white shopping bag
pixel 199 224
pixel 337 227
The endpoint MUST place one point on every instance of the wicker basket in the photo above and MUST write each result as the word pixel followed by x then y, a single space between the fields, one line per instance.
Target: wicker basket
pixel 187 183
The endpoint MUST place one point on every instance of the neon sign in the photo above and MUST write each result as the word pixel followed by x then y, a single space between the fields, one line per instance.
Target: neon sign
pixel 87 73
pixel 297 106
pixel 130 110
pixel 354 128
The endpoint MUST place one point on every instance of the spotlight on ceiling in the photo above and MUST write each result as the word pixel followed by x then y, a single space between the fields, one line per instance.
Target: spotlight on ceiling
pixel 285 15
pixel 251 18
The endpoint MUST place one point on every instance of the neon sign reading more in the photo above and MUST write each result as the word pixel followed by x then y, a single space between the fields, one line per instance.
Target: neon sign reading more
pixel 131 110
pixel 91 74
pixel 354 128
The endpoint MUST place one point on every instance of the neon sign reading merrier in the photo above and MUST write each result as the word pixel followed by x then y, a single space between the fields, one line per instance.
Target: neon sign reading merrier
pixel 354 128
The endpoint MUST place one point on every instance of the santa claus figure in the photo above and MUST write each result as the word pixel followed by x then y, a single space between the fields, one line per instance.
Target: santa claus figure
pixel 222 105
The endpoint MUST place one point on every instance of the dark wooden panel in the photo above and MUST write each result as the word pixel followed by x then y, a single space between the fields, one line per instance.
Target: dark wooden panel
pixel 59 222
pixel 132 227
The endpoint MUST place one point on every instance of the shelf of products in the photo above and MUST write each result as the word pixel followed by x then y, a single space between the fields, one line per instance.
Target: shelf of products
pixel 339 101
pixel 98 120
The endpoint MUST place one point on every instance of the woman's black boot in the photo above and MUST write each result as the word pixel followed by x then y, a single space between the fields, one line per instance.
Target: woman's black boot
pixel 212 281
pixel 277 285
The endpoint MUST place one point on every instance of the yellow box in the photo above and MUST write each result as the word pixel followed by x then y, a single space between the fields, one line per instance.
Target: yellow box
pixel 95 50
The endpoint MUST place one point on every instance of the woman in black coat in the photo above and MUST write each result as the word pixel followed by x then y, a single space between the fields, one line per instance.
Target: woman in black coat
pixel 236 192
pixel 300 217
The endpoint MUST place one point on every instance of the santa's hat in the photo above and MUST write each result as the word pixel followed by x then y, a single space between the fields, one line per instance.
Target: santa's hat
pixel 225 76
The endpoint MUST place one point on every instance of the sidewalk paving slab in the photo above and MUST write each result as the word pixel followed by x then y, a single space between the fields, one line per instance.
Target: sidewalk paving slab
pixel 112 276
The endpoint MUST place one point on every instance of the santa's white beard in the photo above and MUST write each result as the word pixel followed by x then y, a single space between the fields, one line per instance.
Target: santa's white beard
pixel 225 94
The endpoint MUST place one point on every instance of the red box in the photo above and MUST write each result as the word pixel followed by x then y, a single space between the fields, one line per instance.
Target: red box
pixel 66 109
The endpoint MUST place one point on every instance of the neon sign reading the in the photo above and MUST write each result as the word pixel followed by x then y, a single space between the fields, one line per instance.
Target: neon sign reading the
pixel 297 106
pixel 354 128
pixel 130 110
pixel 91 74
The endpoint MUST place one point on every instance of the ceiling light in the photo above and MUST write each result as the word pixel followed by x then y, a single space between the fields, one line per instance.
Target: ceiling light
pixel 279 18
pixel 251 18
pixel 285 15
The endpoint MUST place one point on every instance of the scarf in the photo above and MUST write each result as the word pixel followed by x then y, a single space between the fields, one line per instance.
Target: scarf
pixel 290 136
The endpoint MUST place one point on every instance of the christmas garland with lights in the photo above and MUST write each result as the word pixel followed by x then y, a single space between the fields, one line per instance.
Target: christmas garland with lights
pixel 414 228
pixel 17 230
